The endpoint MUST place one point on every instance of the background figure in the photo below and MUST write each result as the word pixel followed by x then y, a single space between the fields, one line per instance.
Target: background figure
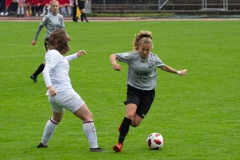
pixel 28 8
pixel 70 6
pixel 34 7
pixel 20 9
pixel 62 4
pixel 81 5
pixel 51 21
pixel 2 7
pixel 60 93
pixel 46 7
pixel 141 82
pixel 39 7
pixel 7 5
pixel 12 8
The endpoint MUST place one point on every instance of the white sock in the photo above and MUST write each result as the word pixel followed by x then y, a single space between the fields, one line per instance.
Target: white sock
pixel 50 127
pixel 69 10
pixel 22 9
pixel 90 133
pixel 18 10
pixel 63 10
pixel 44 10
pixel 49 8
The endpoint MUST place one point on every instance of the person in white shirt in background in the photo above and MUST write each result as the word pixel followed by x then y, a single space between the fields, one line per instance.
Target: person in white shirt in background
pixel 20 8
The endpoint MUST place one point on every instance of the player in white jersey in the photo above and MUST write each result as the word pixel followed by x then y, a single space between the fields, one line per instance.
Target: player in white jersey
pixel 60 93
pixel 141 81
pixel 51 21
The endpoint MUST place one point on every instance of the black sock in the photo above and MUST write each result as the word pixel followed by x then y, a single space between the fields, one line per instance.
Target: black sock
pixel 124 129
pixel 39 70
pixel 84 16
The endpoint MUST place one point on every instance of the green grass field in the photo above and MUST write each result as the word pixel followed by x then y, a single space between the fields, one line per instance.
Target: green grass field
pixel 198 115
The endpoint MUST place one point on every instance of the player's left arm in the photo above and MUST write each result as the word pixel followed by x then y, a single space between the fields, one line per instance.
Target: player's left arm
pixel 76 55
pixel 172 70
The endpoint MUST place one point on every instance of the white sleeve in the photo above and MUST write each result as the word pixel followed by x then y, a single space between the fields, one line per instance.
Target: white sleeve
pixel 46 76
pixel 71 57
pixel 52 58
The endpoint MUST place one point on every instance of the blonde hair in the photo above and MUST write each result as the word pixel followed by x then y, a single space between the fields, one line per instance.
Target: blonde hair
pixel 142 37
pixel 53 2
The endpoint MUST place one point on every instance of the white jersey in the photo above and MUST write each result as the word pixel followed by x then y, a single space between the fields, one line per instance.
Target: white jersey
pixel 58 67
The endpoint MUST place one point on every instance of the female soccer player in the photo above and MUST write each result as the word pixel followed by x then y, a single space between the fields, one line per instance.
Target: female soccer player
pixel 51 21
pixel 60 93
pixel 141 81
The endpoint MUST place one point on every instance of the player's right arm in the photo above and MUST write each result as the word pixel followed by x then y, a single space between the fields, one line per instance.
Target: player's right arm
pixel 115 65
pixel 43 23
pixel 36 35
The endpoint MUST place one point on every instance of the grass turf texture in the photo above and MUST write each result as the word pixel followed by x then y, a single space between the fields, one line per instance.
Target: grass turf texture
pixel 198 115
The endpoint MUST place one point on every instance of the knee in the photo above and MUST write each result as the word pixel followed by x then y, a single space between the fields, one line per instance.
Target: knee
pixel 88 117
pixel 58 120
pixel 134 124
pixel 130 116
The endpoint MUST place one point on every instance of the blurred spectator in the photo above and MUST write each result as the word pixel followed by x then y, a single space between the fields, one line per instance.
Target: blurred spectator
pixel 46 7
pixel 2 7
pixel 11 7
pixel 20 8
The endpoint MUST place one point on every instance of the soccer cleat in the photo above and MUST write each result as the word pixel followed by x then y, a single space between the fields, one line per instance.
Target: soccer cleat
pixel 97 150
pixel 33 78
pixel 118 147
pixel 41 146
pixel 6 14
pixel 2 14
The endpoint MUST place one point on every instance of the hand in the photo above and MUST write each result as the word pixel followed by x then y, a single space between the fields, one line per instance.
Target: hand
pixel 183 72
pixel 52 91
pixel 117 67
pixel 81 52
pixel 34 42
pixel 69 38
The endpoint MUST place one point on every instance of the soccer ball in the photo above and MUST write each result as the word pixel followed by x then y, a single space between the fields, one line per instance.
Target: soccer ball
pixel 155 141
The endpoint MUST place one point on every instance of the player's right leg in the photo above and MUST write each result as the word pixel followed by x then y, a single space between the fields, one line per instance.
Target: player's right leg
pixel 51 124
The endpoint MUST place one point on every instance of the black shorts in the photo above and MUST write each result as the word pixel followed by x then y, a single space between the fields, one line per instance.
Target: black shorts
pixel 142 98
pixel 45 43
pixel 81 5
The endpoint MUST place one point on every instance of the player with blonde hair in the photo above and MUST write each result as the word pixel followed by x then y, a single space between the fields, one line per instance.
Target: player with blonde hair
pixel 51 21
pixel 141 81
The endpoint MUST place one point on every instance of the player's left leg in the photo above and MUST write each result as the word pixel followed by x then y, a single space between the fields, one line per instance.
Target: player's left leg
pixel 88 127
pixel 82 8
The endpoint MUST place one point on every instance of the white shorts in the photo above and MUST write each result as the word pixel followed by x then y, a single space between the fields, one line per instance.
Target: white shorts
pixel 67 99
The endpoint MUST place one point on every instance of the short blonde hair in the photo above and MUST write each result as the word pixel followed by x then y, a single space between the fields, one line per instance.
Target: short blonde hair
pixel 142 37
